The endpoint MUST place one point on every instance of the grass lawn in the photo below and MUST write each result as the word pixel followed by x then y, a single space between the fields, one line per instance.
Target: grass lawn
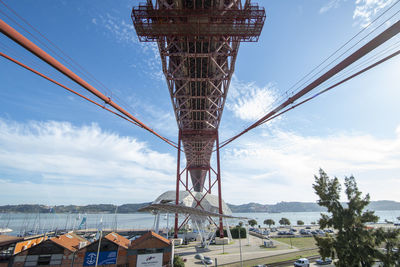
pixel 278 258
pixel 298 242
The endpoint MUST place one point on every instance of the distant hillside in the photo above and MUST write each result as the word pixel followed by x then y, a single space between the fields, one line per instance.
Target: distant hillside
pixel 304 207
pixel 93 208
pixel 131 208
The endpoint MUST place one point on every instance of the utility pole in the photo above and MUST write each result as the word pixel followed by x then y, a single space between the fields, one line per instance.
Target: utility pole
pixel 240 247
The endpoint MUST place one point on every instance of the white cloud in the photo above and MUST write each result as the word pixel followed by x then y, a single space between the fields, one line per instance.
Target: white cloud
pixel 331 4
pixel 123 31
pixel 366 10
pixel 53 155
pixel 59 163
pixel 249 102
pixel 162 120
pixel 280 166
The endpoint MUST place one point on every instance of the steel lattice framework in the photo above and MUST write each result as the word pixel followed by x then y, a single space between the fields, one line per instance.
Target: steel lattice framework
pixel 198 41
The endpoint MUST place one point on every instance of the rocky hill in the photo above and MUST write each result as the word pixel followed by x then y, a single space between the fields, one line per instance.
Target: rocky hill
pixel 131 208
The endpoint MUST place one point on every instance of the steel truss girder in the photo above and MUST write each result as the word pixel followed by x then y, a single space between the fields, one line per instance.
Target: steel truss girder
pixel 213 180
pixel 198 41
pixel 198 18
pixel 198 73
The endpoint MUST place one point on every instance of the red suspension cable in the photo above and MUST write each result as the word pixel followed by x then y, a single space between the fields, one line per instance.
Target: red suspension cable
pixel 30 46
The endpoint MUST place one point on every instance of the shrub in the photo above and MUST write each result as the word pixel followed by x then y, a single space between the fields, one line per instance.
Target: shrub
pixel 178 261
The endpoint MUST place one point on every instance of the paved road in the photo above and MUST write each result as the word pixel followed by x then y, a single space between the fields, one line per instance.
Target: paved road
pixel 231 253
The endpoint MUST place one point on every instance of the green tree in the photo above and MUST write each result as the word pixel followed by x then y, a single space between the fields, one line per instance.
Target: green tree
pixel 269 222
pixel 390 255
pixel 354 244
pixel 252 222
pixel 284 221
pixel 178 261
pixel 300 222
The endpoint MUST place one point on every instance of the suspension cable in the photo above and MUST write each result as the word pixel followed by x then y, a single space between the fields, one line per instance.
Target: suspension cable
pixel 34 49
pixel 368 47
pixel 76 93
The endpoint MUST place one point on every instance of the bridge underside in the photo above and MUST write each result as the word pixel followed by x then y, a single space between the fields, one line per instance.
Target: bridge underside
pixel 198 41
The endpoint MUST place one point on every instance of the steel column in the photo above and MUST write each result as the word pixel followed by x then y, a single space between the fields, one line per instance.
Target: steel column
pixel 221 226
pixel 209 181
pixel 178 178
pixel 187 180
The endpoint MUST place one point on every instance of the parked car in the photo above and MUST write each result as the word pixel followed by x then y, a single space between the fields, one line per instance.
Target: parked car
pixel 199 256
pixel 308 227
pixel 303 262
pixel 303 231
pixel 325 261
pixel 320 232
pixel 266 232
pixel 293 230
pixel 314 232
pixel 207 260
pixel 329 231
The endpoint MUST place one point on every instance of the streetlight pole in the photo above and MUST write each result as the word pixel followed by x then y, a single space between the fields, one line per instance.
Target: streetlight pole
pixel 240 247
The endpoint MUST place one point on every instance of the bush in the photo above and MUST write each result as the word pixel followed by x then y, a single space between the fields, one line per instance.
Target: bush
pixel 235 232
pixel 178 261
pixel 225 233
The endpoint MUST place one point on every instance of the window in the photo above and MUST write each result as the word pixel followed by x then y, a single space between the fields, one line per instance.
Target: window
pixel 56 259
pixel 44 259
pixel 31 260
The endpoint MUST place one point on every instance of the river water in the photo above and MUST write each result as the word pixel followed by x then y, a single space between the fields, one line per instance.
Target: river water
pixel 39 223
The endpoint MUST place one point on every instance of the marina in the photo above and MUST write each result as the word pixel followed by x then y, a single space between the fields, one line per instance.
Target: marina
pixel 48 222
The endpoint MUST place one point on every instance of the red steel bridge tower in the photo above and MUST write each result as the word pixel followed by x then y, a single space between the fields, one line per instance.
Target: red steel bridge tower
pixel 198 41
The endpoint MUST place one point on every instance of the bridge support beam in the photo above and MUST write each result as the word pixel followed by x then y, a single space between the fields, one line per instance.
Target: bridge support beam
pixel 178 179
pixel 221 226
pixel 214 179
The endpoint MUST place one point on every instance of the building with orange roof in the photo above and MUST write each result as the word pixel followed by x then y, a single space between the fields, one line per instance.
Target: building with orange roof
pixel 7 247
pixel 60 250
pixel 25 244
pixel 113 251
pixel 150 249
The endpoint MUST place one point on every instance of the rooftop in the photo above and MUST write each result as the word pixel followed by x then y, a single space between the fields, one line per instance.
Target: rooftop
pixel 69 241
pixel 118 239
pixel 147 236
pixel 8 239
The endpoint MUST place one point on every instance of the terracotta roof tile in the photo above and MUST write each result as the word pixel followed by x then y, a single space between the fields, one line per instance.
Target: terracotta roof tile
pixel 118 239
pixel 148 235
pixel 69 241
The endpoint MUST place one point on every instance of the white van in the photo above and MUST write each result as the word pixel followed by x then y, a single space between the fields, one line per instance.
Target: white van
pixel 303 262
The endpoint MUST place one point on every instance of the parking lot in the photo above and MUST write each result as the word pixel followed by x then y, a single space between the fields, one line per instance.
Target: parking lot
pixel 291 231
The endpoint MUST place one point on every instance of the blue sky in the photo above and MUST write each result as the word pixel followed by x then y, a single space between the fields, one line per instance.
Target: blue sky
pixel 58 149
